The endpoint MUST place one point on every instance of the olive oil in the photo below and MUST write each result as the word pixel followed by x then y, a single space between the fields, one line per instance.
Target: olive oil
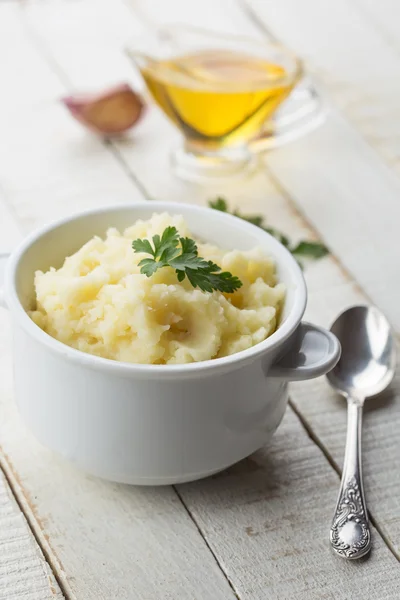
pixel 218 97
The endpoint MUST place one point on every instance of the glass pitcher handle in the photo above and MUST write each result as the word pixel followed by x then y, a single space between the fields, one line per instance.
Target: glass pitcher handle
pixel 301 113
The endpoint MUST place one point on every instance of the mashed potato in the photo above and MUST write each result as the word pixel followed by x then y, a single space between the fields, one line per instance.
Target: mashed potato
pixel 99 302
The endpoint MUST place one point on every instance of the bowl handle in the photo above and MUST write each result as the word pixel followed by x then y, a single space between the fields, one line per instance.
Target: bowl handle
pixel 313 352
pixel 3 260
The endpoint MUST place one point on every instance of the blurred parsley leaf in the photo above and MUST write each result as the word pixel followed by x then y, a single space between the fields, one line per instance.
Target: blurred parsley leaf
pixel 304 249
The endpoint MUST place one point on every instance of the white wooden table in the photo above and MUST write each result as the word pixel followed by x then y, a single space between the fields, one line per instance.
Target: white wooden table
pixel 258 531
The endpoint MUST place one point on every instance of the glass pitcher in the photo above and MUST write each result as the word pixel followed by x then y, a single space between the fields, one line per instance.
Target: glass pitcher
pixel 221 92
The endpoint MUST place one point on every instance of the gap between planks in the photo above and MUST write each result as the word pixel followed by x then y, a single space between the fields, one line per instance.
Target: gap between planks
pixel 202 534
pixel 314 438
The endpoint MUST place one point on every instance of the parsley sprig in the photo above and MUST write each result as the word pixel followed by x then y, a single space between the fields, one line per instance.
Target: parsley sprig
pixel 304 249
pixel 171 250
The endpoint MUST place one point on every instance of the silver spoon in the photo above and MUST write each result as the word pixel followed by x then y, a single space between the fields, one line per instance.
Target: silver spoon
pixel 366 367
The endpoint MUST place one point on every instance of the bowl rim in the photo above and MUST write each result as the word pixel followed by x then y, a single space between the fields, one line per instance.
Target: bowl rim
pixel 280 254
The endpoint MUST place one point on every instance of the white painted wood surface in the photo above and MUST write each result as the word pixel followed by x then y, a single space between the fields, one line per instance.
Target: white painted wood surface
pixel 24 572
pixel 347 45
pixel 258 531
pixel 10 230
pixel 48 166
pixel 266 518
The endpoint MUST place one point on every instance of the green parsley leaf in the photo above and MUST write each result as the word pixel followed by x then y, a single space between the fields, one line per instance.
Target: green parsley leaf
pixel 164 247
pixel 210 278
pixel 142 246
pixel 165 251
pixel 310 250
pixel 304 249
pixel 148 266
pixel 219 204
pixel 169 240
pixel 279 236
pixel 257 220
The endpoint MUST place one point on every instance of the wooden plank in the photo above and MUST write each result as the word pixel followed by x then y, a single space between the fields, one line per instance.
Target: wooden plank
pixel 10 232
pixel 49 166
pixel 358 67
pixel 24 572
pixel 352 201
pixel 384 18
pixel 268 518
pixel 26 80
pixel 383 117
pixel 349 196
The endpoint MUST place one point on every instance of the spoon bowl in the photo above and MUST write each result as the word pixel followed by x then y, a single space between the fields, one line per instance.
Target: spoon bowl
pixel 368 359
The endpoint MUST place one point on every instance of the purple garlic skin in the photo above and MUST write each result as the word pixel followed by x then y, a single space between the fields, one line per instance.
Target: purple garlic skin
pixel 107 113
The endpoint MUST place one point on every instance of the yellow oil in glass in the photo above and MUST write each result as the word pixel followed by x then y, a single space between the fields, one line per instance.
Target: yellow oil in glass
pixel 218 97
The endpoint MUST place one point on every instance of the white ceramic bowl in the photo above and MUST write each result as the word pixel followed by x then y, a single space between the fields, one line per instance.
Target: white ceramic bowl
pixel 157 424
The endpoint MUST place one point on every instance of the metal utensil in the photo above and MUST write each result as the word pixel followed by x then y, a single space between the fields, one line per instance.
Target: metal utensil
pixel 366 367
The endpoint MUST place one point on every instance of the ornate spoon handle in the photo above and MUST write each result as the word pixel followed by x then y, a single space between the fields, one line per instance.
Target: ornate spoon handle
pixel 350 532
